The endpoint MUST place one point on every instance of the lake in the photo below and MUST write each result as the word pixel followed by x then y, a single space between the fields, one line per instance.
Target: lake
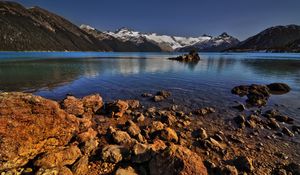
pixel 127 75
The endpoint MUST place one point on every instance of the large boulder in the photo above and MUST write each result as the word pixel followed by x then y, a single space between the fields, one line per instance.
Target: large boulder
pixel 72 105
pixel 177 160
pixel 31 125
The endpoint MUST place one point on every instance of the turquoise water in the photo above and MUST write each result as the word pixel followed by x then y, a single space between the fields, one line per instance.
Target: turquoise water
pixel 128 75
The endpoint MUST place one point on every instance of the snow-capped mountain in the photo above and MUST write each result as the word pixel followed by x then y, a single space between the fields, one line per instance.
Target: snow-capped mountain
pixel 177 43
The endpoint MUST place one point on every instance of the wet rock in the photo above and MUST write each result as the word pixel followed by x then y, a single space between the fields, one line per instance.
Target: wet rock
pixel 193 56
pixel 114 153
pixel 177 160
pixel 240 120
pixel 284 118
pixel 92 103
pixel 58 158
pixel 244 163
pixel 72 105
pixel 81 166
pixel 240 107
pixel 168 134
pixel 287 132
pixel 133 104
pixel 132 128
pixel 126 171
pixel 205 111
pixel 279 88
pixel 141 153
pixel 117 108
pixel 296 128
pixel 273 124
pixel 158 98
pixel 31 125
pixel 147 95
pixel 164 93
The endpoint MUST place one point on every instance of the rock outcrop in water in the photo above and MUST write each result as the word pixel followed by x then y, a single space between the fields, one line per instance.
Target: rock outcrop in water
pixel 192 56
pixel 85 136
pixel 258 95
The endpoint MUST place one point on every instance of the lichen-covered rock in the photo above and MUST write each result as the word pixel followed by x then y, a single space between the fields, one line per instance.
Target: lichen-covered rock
pixel 177 160
pixel 58 158
pixel 30 125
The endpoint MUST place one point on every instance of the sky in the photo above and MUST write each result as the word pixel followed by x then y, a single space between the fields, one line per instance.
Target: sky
pixel 240 18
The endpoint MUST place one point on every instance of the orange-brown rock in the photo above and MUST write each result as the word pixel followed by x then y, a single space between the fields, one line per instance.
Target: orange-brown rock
pixel 72 105
pixel 59 157
pixel 177 160
pixel 30 125
pixel 117 108
pixel 92 103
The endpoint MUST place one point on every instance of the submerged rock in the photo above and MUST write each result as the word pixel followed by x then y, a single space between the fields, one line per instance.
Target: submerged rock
pixel 31 125
pixel 279 88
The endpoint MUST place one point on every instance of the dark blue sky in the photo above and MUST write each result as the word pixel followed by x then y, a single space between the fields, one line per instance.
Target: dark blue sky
pixel 240 18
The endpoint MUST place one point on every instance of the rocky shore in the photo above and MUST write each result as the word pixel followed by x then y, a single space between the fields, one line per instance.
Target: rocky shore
pixel 89 136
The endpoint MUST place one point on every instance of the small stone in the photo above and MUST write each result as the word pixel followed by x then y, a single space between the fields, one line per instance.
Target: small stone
pixel 168 119
pixel 92 103
pixel 117 108
pixel 133 104
pixel 287 132
pixel 200 133
pixel 147 95
pixel 158 98
pixel 240 107
pixel 273 124
pixel 164 94
pixel 72 105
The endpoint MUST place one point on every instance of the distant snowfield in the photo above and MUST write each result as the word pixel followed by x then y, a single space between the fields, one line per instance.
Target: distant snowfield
pixel 172 42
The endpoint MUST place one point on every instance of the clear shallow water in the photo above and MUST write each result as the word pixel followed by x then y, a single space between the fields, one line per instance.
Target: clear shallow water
pixel 128 75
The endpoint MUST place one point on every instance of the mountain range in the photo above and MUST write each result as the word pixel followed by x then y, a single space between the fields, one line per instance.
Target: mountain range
pixel 36 29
